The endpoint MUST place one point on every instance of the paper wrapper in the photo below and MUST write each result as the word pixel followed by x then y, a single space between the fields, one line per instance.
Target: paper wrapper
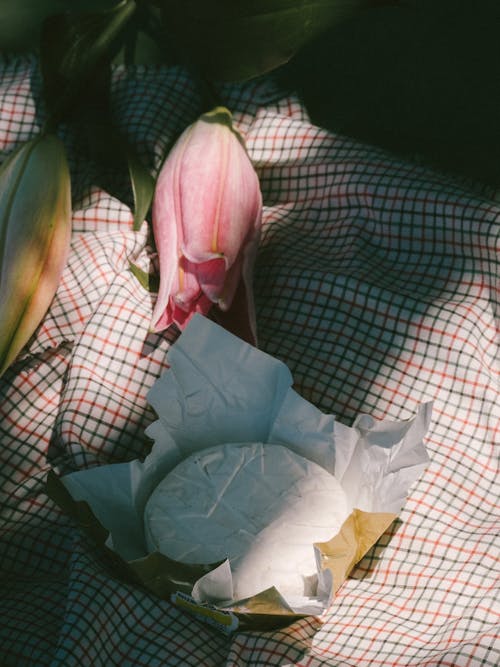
pixel 218 390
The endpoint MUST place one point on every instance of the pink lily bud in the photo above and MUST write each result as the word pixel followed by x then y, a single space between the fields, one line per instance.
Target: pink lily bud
pixel 206 221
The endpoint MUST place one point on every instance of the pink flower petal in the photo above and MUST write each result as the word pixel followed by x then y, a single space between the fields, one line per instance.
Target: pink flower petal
pixel 211 276
pixel 239 318
pixel 188 285
pixel 206 222
pixel 181 317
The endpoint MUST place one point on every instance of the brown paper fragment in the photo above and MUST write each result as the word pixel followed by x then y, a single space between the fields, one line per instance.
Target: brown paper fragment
pixel 82 514
pixel 163 576
pixel 265 602
pixel 79 511
pixel 266 610
pixel 359 532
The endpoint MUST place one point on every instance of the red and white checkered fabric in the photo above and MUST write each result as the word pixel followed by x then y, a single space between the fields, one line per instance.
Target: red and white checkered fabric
pixel 377 282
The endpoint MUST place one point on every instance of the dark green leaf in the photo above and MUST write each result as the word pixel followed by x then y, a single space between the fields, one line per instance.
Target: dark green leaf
pixel 21 20
pixel 145 40
pixel 93 123
pixel 438 104
pixel 103 143
pixel 77 49
pixel 149 281
pixel 74 47
pixel 143 186
pixel 238 40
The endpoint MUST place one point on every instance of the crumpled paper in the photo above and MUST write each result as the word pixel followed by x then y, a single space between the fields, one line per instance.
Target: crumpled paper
pixel 219 389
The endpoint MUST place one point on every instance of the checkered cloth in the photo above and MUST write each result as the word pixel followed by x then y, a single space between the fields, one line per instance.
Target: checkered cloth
pixel 376 282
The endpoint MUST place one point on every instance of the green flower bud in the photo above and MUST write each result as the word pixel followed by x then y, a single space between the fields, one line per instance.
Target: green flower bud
pixel 35 232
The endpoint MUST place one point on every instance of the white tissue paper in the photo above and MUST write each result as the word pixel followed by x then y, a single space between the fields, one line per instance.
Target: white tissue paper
pixel 220 390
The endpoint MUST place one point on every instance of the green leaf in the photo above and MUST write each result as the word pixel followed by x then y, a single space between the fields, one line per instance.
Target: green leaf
pixel 77 49
pixel 74 48
pixel 111 151
pixel 21 21
pixel 230 40
pixel 145 41
pixel 143 186
pixel 149 281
